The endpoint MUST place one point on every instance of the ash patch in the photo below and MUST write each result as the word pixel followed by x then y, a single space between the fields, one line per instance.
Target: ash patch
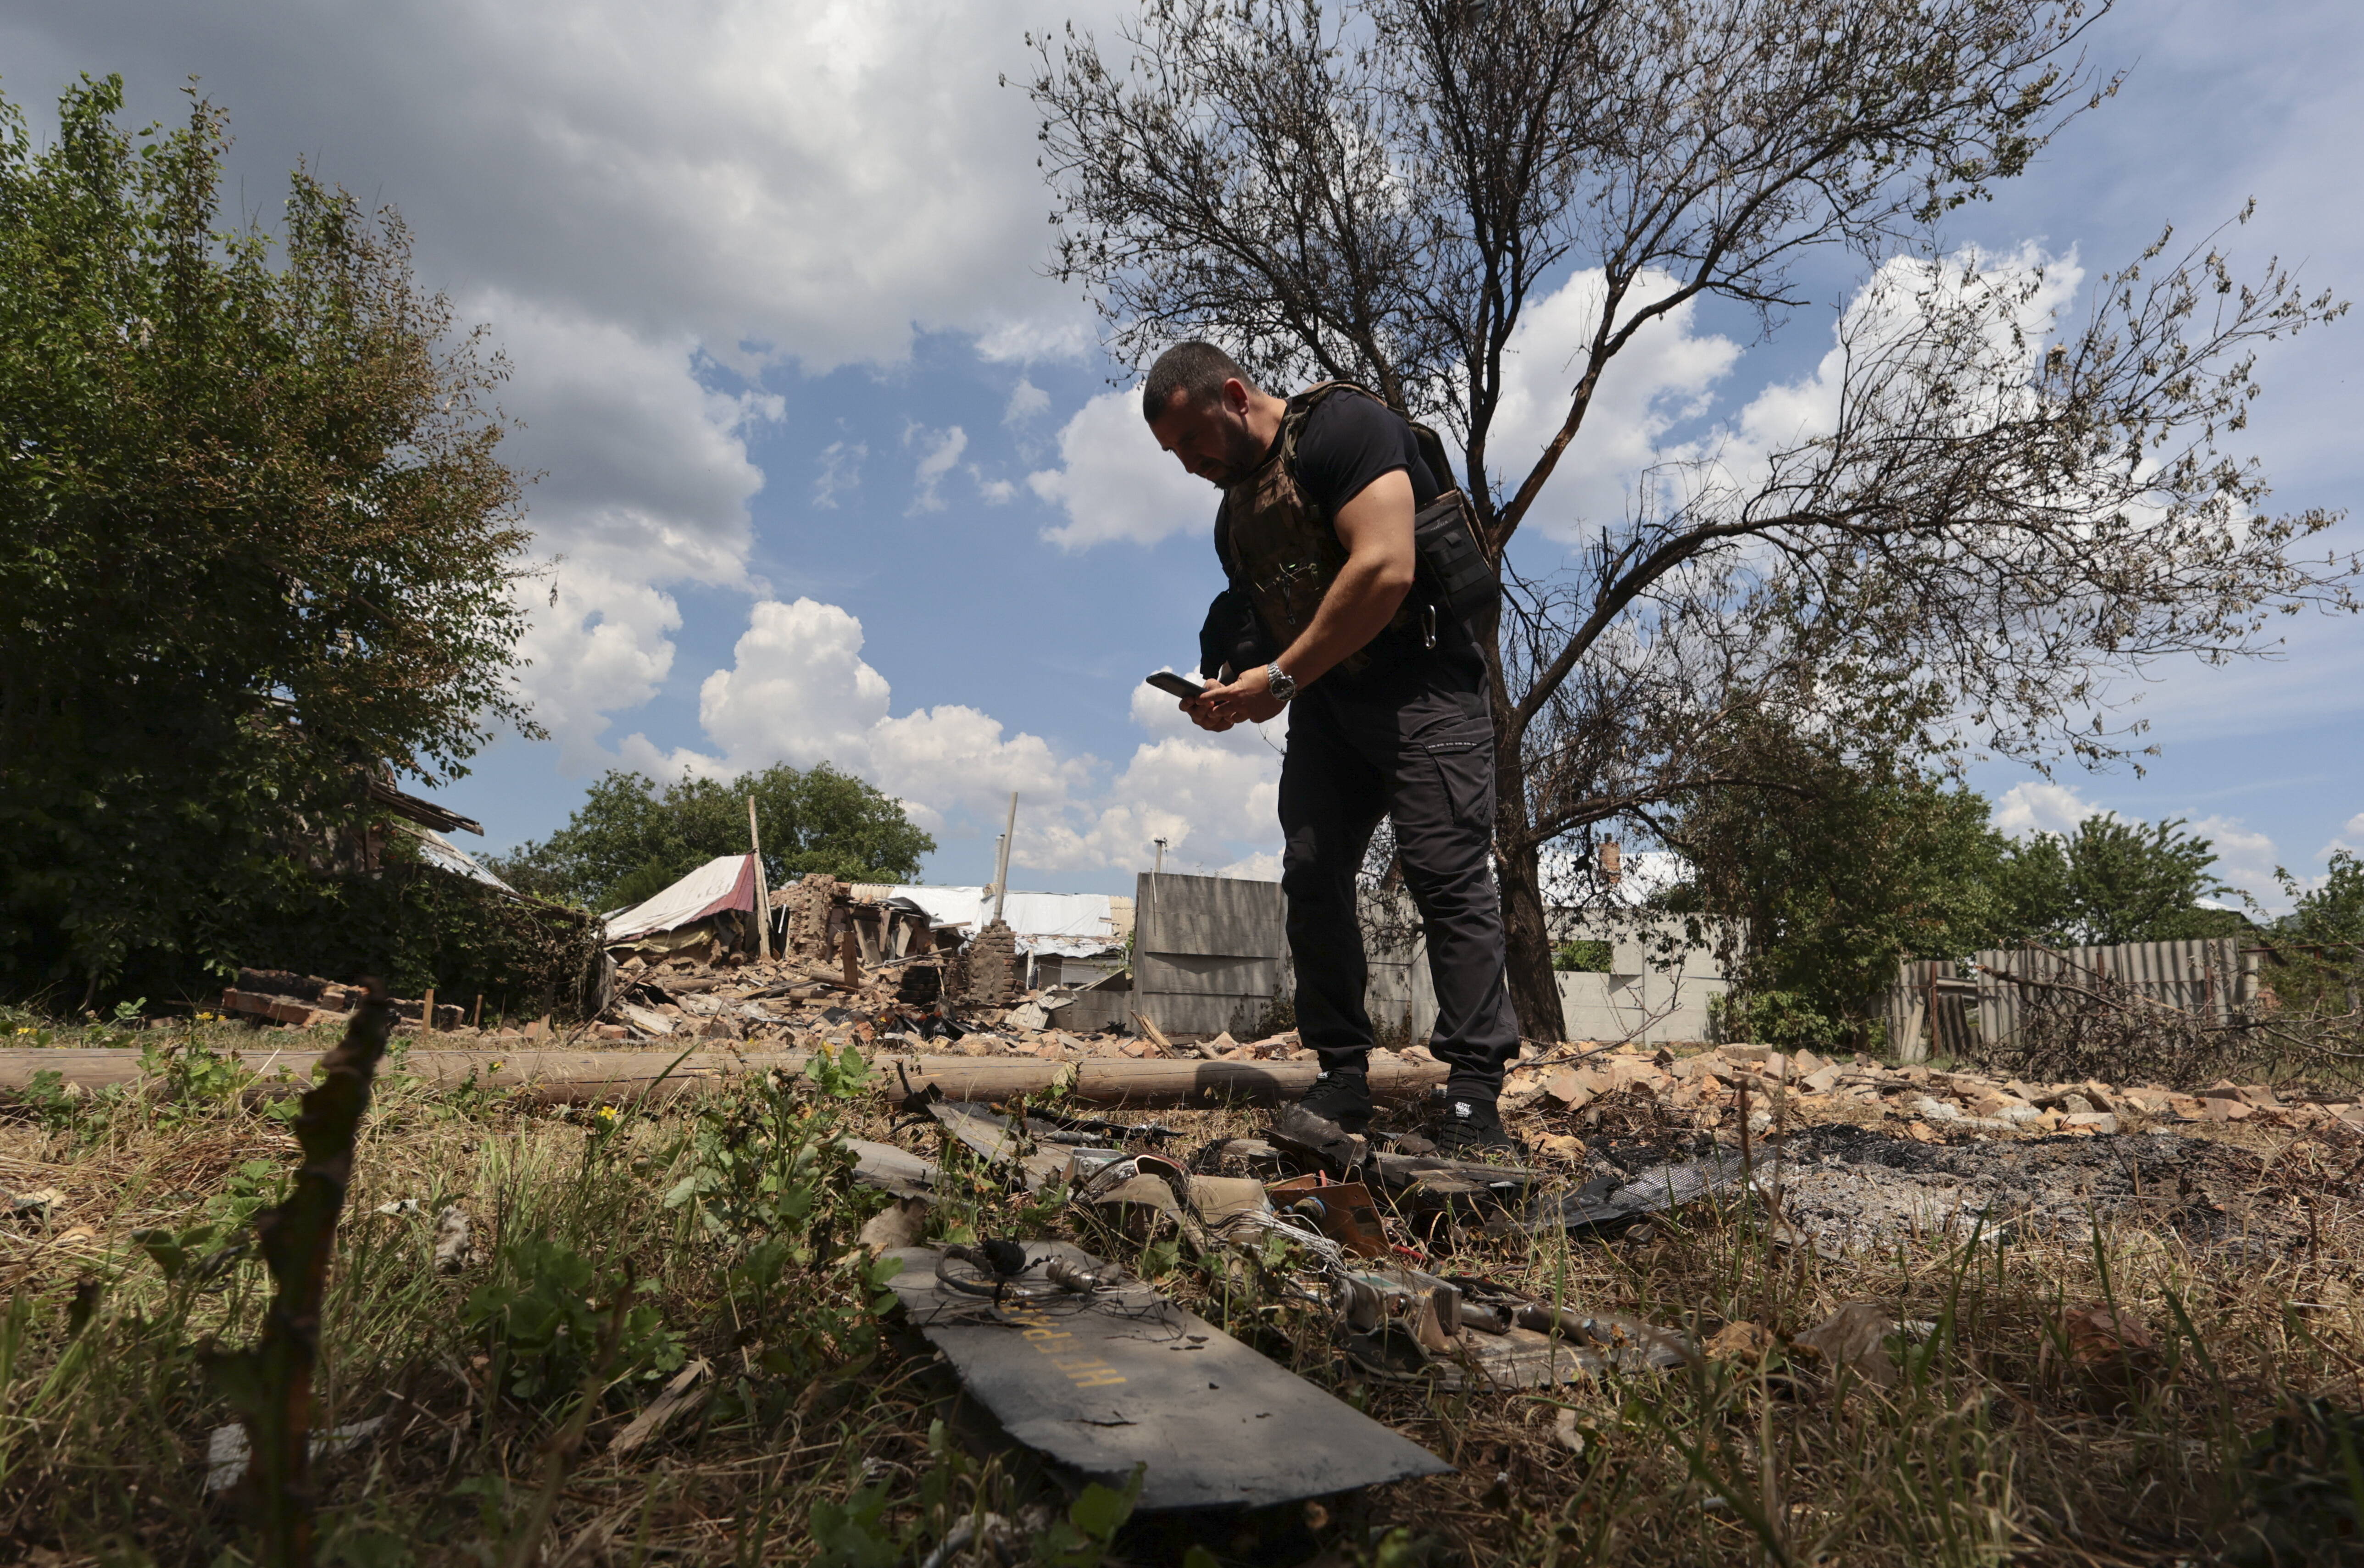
pixel 1844 1188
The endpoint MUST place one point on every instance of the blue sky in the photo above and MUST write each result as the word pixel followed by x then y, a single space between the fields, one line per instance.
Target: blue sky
pixel 835 470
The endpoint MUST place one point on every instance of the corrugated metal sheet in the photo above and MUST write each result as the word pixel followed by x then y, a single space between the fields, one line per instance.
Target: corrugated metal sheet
pixel 443 853
pixel 1212 952
pixel 726 882
pixel 1932 997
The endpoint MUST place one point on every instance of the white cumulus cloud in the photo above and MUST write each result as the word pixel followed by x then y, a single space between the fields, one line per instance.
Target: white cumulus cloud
pixel 645 481
pixel 798 691
pixel 1884 311
pixel 2246 859
pixel 605 645
pixel 1666 376
pixel 1027 403
pixel 809 180
pixel 1116 484
pixel 632 196
pixel 2026 809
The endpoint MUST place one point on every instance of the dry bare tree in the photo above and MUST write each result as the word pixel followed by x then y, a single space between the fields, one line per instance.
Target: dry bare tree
pixel 1988 516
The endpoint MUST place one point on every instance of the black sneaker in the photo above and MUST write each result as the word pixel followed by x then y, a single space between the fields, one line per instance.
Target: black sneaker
pixel 1473 1130
pixel 1342 1098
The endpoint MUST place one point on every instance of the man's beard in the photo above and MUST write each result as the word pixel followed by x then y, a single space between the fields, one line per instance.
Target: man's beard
pixel 1242 455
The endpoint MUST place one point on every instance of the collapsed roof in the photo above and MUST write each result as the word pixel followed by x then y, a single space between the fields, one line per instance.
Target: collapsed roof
pixel 444 855
pixel 726 882
pixel 1072 924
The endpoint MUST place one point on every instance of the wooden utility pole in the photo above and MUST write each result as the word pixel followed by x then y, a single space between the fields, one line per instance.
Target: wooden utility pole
pixel 592 1077
pixel 763 888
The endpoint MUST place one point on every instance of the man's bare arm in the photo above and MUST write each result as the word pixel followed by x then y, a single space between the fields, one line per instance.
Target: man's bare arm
pixel 1376 528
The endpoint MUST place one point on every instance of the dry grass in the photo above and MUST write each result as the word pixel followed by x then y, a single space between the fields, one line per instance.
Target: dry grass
pixel 2003 1438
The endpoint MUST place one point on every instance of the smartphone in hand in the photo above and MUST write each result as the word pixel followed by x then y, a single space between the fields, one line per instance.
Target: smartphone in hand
pixel 1178 686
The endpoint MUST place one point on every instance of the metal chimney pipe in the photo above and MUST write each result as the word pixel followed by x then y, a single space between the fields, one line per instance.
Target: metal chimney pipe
pixel 1001 861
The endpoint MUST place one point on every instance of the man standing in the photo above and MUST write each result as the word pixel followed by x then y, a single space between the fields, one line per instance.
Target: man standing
pixel 1388 710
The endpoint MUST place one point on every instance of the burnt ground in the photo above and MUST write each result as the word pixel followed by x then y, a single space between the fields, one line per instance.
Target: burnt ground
pixel 1845 1187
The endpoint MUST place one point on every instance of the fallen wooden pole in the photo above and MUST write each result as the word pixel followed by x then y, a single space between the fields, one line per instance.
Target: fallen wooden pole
pixel 590 1077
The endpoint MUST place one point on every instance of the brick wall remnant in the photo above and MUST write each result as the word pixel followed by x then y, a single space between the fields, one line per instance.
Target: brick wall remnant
pixel 810 902
pixel 993 971
pixel 920 985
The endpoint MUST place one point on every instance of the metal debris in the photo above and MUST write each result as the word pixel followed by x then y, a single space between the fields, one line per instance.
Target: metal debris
pixel 1609 1203
pixel 893 1170
pixel 1104 1381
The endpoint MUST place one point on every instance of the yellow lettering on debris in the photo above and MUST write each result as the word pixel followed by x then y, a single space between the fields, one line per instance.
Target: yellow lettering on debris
pixel 1084 1372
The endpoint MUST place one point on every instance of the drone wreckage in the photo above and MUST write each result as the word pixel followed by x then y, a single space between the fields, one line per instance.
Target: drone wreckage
pixel 1096 1372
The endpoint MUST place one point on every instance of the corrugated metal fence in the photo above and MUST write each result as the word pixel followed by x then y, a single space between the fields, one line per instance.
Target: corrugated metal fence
pixel 1209 952
pixel 1933 1002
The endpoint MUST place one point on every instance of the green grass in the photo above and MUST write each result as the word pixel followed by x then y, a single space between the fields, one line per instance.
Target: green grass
pixel 725 1229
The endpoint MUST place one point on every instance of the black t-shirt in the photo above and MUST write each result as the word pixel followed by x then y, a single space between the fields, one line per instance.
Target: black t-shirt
pixel 1350 440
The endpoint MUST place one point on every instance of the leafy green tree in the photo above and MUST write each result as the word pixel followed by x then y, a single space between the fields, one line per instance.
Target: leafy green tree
pixel 1388 191
pixel 2115 881
pixel 1835 879
pixel 1836 873
pixel 255 541
pixel 2315 954
pixel 2332 912
pixel 631 837
pixel 1583 956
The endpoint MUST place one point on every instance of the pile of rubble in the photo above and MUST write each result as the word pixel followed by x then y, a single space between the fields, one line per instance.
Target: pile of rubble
pixel 835 969
pixel 786 1003
pixel 1708 1091
pixel 1371 1218
pixel 1107 1374
pixel 301 1001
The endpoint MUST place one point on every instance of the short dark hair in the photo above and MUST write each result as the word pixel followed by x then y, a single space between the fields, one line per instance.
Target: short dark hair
pixel 1198 369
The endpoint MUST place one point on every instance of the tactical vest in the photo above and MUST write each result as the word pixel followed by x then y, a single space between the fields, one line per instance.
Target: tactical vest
pixel 1282 551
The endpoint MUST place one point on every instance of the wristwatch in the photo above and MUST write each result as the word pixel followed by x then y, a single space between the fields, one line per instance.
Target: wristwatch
pixel 1280 682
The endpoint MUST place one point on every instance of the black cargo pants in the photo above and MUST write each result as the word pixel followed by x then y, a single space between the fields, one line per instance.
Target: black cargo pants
pixel 1415 745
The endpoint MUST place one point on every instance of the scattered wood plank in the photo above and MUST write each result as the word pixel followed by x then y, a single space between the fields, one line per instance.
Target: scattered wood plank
pixel 1154 1035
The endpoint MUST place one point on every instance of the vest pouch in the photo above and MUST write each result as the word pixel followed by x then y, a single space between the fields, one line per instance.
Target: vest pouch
pixel 1232 635
pixel 1453 565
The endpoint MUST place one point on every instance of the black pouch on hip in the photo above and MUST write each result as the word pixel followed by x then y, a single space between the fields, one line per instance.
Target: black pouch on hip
pixel 1232 635
pixel 1453 567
